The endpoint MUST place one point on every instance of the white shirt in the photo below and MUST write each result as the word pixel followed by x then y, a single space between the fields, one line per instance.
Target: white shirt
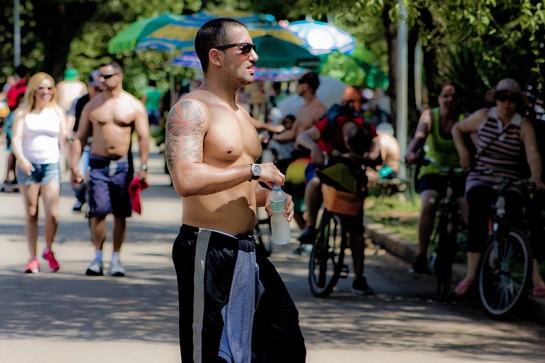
pixel 41 136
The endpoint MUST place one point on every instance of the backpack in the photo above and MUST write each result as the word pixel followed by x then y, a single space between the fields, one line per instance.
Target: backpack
pixel 333 113
pixel 345 175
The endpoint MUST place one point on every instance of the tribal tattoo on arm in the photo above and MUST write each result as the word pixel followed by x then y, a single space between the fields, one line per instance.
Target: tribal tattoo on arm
pixel 184 133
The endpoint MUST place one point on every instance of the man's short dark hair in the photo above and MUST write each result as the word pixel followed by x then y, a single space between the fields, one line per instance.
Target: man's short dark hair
pixel 213 34
pixel 21 70
pixel 290 117
pixel 312 79
pixel 112 64
pixel 359 140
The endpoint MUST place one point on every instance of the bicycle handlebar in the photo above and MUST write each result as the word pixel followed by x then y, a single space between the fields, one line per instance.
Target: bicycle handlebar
pixel 507 182
pixel 425 161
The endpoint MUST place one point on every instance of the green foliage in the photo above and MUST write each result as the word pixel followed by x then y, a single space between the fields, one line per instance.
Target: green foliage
pixel 504 38
pixel 31 48
pixel 343 68
pixel 481 41
pixel 112 17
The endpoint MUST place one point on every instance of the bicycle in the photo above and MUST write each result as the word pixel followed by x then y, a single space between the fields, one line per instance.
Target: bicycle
pixel 445 237
pixel 326 259
pixel 505 268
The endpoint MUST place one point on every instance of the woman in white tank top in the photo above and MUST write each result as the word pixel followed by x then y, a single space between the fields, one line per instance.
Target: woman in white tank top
pixel 39 130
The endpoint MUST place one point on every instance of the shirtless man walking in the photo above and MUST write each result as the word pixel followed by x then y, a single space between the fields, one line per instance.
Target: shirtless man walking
pixel 233 303
pixel 109 119
pixel 310 112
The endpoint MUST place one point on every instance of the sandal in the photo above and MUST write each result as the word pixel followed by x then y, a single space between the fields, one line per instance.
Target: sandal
pixel 463 288
pixel 538 292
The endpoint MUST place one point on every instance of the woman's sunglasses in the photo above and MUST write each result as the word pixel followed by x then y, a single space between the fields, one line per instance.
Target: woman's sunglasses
pixel 246 48
pixel 41 88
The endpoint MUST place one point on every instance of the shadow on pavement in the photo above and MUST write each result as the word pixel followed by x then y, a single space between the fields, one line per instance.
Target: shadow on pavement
pixel 141 307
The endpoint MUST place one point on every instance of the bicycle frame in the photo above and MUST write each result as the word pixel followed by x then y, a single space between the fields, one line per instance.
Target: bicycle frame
pixel 506 265
pixel 445 235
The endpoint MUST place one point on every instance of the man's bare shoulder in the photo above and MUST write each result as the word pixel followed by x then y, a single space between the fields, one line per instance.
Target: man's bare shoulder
pixel 127 97
pixel 204 98
pixel 195 99
pixel 193 107
pixel 319 105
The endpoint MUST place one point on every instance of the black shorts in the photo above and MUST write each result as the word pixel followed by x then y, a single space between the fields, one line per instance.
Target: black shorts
pixel 439 184
pixel 204 289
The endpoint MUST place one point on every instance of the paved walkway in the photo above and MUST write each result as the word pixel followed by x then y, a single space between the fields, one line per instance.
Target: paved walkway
pixel 67 317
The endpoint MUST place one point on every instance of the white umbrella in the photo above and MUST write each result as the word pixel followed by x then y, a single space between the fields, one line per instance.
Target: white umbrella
pixel 323 38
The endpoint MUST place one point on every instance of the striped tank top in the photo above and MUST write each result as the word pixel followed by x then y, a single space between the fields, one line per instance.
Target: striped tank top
pixel 503 154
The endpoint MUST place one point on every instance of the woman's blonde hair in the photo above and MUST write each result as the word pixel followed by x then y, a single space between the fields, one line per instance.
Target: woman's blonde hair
pixel 33 84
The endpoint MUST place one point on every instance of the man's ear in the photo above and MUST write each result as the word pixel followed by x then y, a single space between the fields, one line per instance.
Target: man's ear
pixel 214 57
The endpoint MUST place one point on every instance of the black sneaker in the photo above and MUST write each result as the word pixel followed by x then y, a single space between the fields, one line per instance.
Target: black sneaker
pixel 77 207
pixel 301 251
pixel 307 236
pixel 361 287
pixel 420 265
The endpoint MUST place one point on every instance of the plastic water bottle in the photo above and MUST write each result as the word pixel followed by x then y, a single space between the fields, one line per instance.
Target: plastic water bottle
pixel 279 224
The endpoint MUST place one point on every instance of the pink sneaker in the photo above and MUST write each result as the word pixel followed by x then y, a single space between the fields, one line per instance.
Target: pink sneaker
pixel 33 267
pixel 50 257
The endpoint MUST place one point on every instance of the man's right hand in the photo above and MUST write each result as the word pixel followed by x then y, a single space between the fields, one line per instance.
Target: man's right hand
pixel 410 157
pixel 317 156
pixel 77 176
pixel 270 174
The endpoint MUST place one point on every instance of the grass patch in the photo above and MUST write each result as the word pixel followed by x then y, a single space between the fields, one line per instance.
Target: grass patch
pixel 397 214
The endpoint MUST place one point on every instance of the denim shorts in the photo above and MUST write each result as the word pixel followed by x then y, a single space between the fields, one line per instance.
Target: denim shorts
pixel 109 186
pixel 42 174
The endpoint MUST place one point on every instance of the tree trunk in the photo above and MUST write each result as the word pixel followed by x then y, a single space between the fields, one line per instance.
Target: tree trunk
pixel 58 23
pixel 429 59
pixel 391 40
pixel 412 110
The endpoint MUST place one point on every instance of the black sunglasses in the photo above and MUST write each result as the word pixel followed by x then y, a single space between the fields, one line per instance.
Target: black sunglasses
pixel 246 48
pixel 108 76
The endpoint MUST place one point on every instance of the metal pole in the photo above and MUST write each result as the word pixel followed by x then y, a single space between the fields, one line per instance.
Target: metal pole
pixel 402 84
pixel 16 33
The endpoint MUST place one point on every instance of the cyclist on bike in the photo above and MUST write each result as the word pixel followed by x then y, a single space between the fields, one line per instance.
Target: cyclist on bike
pixel 503 136
pixel 433 134
pixel 347 136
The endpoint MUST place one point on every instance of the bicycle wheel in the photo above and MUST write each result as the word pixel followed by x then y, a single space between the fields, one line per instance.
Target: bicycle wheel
pixel 326 259
pixel 447 230
pixel 504 274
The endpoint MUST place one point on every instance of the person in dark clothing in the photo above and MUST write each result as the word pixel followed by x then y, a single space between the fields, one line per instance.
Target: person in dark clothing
pixel 93 85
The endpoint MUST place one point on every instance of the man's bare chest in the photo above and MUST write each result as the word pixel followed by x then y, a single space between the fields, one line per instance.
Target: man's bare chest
pixel 230 139
pixel 112 116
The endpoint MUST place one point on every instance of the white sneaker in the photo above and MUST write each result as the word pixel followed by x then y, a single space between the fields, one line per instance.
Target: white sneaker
pixel 95 268
pixel 116 269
